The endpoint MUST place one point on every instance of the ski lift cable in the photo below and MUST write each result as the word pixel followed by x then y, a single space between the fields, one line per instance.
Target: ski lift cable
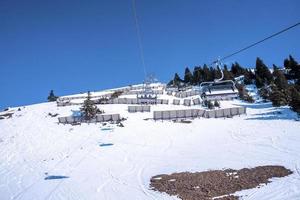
pixel 258 42
pixel 138 32
pixel 218 61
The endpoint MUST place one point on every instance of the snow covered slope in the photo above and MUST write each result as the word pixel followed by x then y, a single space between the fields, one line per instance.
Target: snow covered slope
pixel 92 162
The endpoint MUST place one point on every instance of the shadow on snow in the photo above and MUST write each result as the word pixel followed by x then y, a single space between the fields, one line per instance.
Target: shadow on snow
pixel 55 177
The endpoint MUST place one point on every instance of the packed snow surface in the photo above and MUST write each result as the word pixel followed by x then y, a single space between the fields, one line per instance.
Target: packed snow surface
pixel 41 159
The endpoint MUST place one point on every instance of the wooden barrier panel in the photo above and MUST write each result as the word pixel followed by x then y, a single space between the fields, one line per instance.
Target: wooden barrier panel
pixel 176 101
pixel 193 113
pixel 131 109
pixel 115 117
pixel 196 101
pixel 62 120
pixel 99 118
pixel 159 101
pixel 70 120
pixel 134 101
pixel 219 113
pixel 166 114
pixel 180 113
pixel 157 115
pixel 93 120
pixel 187 102
pixel 242 110
pixel 227 112
pixel 234 111
pixel 201 113
pixel 173 114
pixel 139 108
pixel 107 118
pixel 146 108
pixel 188 113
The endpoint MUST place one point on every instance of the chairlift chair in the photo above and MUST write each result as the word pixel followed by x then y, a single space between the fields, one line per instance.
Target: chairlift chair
pixel 218 89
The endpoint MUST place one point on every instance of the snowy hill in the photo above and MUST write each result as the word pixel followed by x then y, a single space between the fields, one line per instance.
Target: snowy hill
pixel 41 159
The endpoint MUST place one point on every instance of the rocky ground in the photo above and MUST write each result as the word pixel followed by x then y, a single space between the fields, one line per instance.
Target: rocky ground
pixel 215 184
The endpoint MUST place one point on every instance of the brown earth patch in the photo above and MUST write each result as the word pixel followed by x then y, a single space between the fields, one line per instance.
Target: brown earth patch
pixel 215 183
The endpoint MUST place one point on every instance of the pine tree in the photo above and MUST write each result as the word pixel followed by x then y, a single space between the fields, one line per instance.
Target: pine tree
pixel 295 68
pixel 216 73
pixel 236 69
pixel 227 74
pixel 206 73
pixel 295 101
pixel 216 104
pixel 265 92
pixel 279 79
pixel 88 109
pixel 262 73
pixel 242 90
pixel 208 104
pixel 188 77
pixel 278 97
pixel 51 96
pixel 258 81
pixel 197 75
pixel 249 76
pixel 176 81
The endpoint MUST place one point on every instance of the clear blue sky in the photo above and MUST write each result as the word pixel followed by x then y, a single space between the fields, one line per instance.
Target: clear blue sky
pixel 72 46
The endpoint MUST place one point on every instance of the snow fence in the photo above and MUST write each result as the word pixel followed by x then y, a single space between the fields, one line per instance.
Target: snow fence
pixel 185 94
pixel 98 118
pixel 119 101
pixel 194 113
pixel 133 109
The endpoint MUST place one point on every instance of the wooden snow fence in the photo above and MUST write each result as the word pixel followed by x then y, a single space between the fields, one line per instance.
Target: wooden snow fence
pixel 176 102
pixel 133 109
pixel 177 114
pixel 196 101
pixel 187 102
pixel 194 113
pixel 225 112
pixel 137 101
pixel 98 118
pixel 185 94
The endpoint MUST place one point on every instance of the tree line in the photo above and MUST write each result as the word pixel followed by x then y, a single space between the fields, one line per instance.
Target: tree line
pixel 281 85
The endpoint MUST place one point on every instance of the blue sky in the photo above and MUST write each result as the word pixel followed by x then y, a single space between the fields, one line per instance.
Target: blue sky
pixel 73 46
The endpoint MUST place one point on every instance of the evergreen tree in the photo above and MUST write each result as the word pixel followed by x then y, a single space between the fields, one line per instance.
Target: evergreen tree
pixel 278 97
pixel 206 73
pixel 208 104
pixel 237 70
pixel 188 77
pixel 227 74
pixel 295 100
pixel 295 68
pixel 51 96
pixel 216 104
pixel 197 75
pixel 216 73
pixel 279 79
pixel 176 81
pixel 286 63
pixel 88 109
pixel 258 81
pixel 249 76
pixel 262 72
pixel 265 92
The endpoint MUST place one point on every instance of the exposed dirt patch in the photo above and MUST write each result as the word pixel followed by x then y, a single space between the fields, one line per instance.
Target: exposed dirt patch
pixel 216 183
